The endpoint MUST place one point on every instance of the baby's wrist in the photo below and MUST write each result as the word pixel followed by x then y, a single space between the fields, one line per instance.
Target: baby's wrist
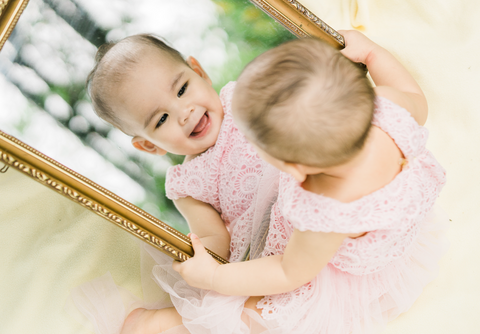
pixel 373 53
pixel 212 284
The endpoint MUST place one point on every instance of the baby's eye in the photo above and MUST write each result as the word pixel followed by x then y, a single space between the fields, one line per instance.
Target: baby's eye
pixel 182 90
pixel 162 120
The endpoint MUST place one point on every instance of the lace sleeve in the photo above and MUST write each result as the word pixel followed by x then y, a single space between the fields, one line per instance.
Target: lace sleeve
pixel 193 179
pixel 399 124
pixel 199 178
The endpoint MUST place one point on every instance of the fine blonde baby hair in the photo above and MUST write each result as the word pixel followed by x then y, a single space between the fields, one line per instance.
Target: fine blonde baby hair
pixel 304 102
pixel 113 61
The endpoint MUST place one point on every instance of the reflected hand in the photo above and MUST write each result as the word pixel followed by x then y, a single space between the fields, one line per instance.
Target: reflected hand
pixel 199 270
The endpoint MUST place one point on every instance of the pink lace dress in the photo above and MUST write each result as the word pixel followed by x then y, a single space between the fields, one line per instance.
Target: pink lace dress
pixel 242 188
pixel 371 279
pixel 227 176
pixel 368 282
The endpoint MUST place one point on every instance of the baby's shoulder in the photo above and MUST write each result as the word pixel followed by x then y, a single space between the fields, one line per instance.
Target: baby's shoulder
pixel 229 133
pixel 303 209
pixel 399 124
pixel 192 178
pixel 310 211
pixel 414 104
pixel 226 94
pixel 387 108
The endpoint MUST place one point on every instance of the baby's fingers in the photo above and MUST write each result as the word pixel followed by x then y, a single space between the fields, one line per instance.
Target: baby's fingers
pixel 177 266
pixel 198 249
pixel 197 244
pixel 347 35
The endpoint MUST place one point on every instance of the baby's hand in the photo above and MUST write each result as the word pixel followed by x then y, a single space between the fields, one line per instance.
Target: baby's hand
pixel 199 270
pixel 357 46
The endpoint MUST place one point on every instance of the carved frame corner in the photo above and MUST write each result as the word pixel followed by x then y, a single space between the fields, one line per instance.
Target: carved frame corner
pixel 300 21
pixel 10 11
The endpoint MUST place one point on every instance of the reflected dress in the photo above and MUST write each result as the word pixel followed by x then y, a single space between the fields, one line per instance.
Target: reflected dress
pixel 232 178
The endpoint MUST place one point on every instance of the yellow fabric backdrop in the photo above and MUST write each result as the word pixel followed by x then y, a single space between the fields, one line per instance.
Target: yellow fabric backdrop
pixel 50 245
pixel 41 257
pixel 439 42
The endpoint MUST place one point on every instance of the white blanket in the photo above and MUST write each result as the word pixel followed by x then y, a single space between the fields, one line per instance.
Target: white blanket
pixel 50 244
pixel 439 43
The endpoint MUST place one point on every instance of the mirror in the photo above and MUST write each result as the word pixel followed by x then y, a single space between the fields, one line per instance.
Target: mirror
pixel 50 53
pixel 57 244
pixel 54 244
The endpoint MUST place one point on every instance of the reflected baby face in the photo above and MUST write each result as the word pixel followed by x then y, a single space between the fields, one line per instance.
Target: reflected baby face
pixel 169 106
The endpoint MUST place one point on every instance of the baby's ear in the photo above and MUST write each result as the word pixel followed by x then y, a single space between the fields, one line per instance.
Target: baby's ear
pixel 146 146
pixel 296 170
pixel 195 65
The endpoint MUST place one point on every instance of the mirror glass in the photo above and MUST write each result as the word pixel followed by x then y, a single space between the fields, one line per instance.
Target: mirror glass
pixel 49 243
pixel 44 64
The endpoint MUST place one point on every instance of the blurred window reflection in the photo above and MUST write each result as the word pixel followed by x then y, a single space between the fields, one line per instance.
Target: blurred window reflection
pixel 44 64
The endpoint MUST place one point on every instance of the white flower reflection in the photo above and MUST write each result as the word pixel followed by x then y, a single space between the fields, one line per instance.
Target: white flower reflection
pixel 45 51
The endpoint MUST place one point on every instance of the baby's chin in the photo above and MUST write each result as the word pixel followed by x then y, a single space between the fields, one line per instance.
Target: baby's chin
pixel 203 149
pixel 212 137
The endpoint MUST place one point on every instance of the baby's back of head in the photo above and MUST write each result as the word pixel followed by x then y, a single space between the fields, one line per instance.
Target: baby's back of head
pixel 304 102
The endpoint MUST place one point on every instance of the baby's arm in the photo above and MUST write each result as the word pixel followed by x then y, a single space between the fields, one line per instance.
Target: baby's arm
pixel 306 254
pixel 205 222
pixel 392 80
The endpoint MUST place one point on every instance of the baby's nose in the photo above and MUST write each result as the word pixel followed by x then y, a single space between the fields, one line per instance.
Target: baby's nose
pixel 186 114
pixel 190 110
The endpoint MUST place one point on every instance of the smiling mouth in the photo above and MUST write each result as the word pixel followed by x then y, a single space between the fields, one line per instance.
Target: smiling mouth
pixel 202 126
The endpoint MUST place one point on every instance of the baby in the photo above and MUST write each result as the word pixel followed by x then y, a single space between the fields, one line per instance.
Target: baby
pixel 353 238
pixel 167 104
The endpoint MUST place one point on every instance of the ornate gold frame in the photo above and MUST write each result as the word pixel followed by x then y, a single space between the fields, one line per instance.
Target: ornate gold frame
pixel 300 21
pixel 81 190
pixel 10 11
pixel 14 153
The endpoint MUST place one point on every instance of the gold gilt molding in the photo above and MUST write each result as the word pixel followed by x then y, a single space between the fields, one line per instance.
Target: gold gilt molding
pixel 3 4
pixel 278 16
pixel 10 11
pixel 300 21
pixel 317 21
pixel 90 195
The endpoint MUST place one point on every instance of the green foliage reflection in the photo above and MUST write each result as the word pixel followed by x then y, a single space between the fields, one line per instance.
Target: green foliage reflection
pixel 253 32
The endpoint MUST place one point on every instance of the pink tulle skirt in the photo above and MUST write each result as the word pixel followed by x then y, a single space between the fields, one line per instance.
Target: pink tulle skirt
pixel 335 302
